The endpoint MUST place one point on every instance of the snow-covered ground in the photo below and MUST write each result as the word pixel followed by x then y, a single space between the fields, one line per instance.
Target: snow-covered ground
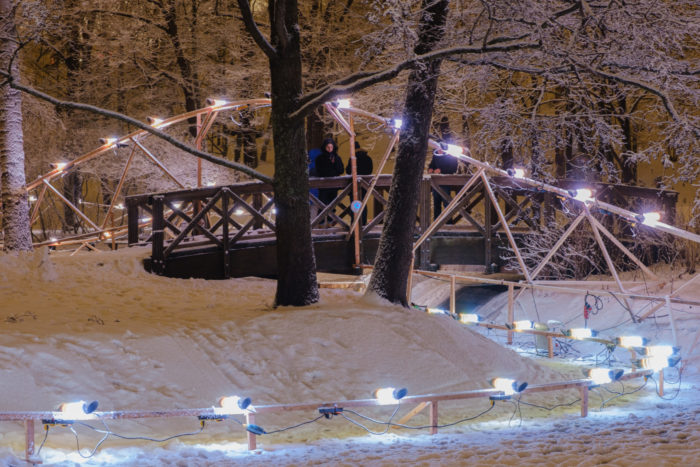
pixel 96 326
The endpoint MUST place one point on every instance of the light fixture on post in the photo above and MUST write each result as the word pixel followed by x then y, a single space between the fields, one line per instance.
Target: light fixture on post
pixel 507 386
pixel 585 195
pixel 516 173
pixel 437 311
pixel 631 341
pixel 649 218
pixel 215 103
pixel 397 123
pixel 343 103
pixel 71 411
pixel 581 333
pixel 388 396
pixel 469 318
pixel 523 325
pixel 233 405
pixel 454 150
pixel 154 121
pixel 600 376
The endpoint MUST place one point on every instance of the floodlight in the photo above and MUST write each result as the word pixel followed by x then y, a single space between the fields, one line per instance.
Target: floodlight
pixel 60 166
pixel 230 405
pixel 663 351
pixel 437 311
pixel 651 218
pixel 516 173
pixel 343 103
pixel 581 333
pixel 582 194
pixel 32 198
pixel 397 123
pixel 154 121
pixel 469 318
pixel 79 410
pixel 239 212
pixel 508 386
pixel 523 324
pixel 603 375
pixel 216 102
pixel 631 341
pixel 454 150
pixel 386 396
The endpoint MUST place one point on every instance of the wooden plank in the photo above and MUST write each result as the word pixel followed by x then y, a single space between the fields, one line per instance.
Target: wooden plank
pixel 434 418
pixel 252 440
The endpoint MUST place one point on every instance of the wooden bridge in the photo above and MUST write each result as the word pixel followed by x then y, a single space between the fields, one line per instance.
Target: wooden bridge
pixel 228 231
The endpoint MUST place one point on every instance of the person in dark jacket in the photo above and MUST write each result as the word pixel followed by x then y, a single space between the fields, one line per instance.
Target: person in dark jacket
pixel 328 164
pixel 364 166
pixel 442 163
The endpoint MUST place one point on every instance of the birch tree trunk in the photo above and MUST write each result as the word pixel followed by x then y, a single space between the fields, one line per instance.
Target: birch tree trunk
pixel 13 195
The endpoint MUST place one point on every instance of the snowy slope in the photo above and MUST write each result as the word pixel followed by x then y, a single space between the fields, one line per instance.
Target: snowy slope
pixel 96 326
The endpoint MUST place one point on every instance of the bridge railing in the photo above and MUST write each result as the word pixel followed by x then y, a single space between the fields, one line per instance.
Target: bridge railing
pixel 224 216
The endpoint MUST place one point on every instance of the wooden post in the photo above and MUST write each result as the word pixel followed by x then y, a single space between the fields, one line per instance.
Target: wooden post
pixel 584 400
pixel 661 382
pixel 355 192
pixel 132 214
pixel 433 417
pixel 158 224
pixel 425 216
pixel 511 318
pixel 29 439
pixel 252 441
pixel 224 232
pixel 488 232
pixel 672 321
pixel 453 295
pixel 550 347
pixel 410 283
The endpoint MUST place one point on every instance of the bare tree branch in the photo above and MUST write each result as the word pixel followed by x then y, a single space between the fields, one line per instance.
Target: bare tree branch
pixel 143 126
pixel 132 16
pixel 253 30
pixel 363 80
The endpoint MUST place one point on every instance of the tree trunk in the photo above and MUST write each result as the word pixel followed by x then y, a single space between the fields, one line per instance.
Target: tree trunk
pixel 296 265
pixel 395 254
pixel 13 194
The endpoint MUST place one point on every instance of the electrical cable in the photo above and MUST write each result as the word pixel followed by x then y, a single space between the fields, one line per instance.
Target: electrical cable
pixel 677 391
pixel 569 404
pixel 445 425
pixel 46 435
pixel 295 426
pixel 388 423
pixel 109 432
pixel 77 443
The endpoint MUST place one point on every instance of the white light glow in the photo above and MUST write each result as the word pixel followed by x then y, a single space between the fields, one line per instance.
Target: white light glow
pixel 663 351
pixel 73 411
pixel 398 123
pixel 239 212
pixel 155 121
pixel 654 363
pixel 599 375
pixel 454 150
pixel 216 102
pixel 119 206
pixel 437 311
pixel 32 198
pixel 506 385
pixel 469 318
pixel 274 210
pixel 584 195
pixel 145 219
pixel 343 103
pixel 518 173
pixel 53 239
pixel 523 324
pixel 630 341
pixel 107 234
pixel 60 166
pixel 580 333
pixel 231 405
pixel 211 183
pixel 385 396
pixel 651 218
pixel 108 141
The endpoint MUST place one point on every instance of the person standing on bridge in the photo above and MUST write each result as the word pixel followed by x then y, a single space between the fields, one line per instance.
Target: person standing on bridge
pixel 442 163
pixel 328 164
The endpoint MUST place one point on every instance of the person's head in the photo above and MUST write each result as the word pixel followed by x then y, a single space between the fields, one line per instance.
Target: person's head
pixel 329 145
pixel 357 145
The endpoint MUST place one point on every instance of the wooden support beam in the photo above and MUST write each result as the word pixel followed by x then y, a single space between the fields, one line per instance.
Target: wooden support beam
pixel 433 417
pixel 29 441
pixel 511 318
pixel 252 440
pixel 509 234
pixel 558 245
pixel 584 400
pixel 416 410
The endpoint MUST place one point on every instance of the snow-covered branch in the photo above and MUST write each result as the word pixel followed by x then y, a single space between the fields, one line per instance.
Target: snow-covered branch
pixel 253 30
pixel 143 126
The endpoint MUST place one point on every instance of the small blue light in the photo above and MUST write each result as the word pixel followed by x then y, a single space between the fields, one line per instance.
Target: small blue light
pixel 356 205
